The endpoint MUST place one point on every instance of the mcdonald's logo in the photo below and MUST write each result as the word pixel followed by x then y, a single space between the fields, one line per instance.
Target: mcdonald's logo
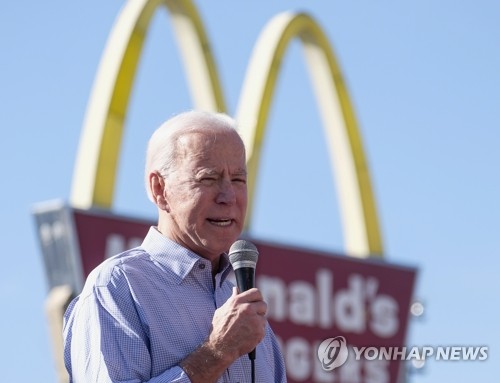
pixel 95 170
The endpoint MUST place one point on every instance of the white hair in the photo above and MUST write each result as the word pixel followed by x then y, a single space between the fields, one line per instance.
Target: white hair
pixel 162 148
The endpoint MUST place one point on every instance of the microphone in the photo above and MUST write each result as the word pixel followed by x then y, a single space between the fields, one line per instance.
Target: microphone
pixel 243 256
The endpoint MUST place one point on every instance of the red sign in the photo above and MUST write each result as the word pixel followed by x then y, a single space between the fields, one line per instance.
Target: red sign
pixel 311 296
pixel 314 296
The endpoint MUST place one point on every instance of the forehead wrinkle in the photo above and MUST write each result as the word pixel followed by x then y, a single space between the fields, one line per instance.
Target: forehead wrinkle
pixel 204 142
pixel 185 147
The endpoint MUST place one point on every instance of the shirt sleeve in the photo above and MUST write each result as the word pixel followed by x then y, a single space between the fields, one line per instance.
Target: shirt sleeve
pixel 106 341
pixel 279 363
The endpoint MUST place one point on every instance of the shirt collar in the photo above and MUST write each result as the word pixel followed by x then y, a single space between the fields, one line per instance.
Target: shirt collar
pixel 177 258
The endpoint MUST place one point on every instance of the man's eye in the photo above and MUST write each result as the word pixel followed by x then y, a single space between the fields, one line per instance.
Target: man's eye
pixel 242 181
pixel 208 180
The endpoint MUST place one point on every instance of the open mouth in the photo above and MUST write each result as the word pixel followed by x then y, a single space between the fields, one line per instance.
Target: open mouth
pixel 220 222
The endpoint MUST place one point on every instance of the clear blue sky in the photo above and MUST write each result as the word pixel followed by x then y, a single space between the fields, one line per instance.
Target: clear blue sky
pixel 424 77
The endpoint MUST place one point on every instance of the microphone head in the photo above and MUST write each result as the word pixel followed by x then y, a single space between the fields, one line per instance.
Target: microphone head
pixel 243 254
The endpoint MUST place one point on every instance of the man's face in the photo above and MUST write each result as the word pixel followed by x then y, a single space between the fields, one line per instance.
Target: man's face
pixel 207 194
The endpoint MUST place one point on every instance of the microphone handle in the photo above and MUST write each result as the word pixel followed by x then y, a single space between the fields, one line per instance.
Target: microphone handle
pixel 245 279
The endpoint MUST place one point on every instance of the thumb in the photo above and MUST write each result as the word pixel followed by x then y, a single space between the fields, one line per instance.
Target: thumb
pixel 235 291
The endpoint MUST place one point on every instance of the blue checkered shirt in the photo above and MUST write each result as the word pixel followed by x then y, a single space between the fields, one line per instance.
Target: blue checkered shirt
pixel 143 311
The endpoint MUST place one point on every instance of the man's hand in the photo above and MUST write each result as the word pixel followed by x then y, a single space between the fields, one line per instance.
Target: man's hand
pixel 238 326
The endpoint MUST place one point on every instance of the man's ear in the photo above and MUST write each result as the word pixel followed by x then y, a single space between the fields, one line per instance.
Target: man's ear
pixel 157 187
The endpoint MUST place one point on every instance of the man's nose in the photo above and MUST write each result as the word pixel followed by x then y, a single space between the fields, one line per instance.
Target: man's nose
pixel 226 194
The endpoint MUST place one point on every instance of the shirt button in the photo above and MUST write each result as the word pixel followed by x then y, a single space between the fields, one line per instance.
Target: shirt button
pixel 201 266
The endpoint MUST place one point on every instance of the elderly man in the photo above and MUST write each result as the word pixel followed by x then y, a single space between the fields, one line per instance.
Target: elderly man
pixel 166 311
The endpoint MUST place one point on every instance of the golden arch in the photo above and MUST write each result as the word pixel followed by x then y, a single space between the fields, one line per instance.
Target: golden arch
pixel 95 170
pixel 360 223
